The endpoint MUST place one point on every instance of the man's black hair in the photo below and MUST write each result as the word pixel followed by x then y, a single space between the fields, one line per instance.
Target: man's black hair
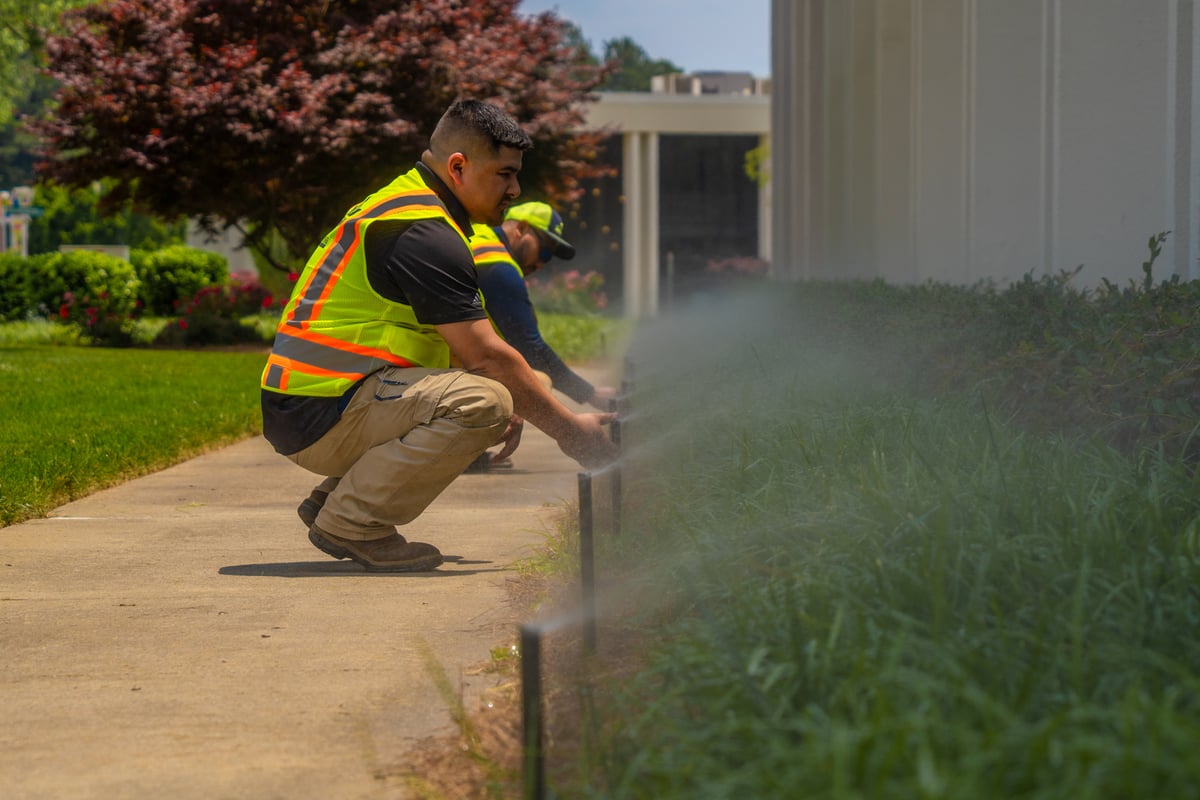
pixel 475 121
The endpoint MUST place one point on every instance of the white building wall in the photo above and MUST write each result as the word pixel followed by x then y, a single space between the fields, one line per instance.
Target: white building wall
pixel 228 244
pixel 956 140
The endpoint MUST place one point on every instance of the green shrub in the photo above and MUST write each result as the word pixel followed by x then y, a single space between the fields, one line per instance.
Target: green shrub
pixel 215 315
pixel 86 276
pixel 14 298
pixel 95 291
pixel 174 274
pixel 571 292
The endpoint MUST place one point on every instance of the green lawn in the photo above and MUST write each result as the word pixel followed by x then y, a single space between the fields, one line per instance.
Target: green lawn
pixel 77 419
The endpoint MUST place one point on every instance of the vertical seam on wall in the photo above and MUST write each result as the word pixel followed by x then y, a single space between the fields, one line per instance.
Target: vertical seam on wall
pixel 1170 152
pixel 969 109
pixel 1194 147
pixel 807 142
pixel 849 139
pixel 915 116
pixel 877 142
pixel 827 196
pixel 1050 79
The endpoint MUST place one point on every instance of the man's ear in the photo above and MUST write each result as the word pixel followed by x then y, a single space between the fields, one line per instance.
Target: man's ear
pixel 455 165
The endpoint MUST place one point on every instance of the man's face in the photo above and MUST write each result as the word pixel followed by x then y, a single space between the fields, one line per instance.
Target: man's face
pixel 487 185
pixel 528 247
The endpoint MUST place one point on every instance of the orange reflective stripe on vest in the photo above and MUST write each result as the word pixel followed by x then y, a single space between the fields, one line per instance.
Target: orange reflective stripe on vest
pixel 317 354
pixel 335 329
pixel 346 239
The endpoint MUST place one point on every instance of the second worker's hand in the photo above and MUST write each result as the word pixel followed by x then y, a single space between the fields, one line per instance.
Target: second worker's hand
pixel 511 438
pixel 589 443
pixel 603 396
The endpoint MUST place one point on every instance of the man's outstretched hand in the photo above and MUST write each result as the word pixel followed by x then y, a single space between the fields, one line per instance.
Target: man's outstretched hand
pixel 589 442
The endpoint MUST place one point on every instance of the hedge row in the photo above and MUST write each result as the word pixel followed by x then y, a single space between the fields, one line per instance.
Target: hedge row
pixel 85 284
pixel 1120 362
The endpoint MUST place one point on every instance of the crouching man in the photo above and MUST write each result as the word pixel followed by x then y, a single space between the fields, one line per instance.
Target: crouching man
pixel 358 387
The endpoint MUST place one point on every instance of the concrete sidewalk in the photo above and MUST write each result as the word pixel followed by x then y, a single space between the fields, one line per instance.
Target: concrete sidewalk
pixel 179 637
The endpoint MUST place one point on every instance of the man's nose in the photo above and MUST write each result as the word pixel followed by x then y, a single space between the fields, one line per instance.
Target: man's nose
pixel 514 188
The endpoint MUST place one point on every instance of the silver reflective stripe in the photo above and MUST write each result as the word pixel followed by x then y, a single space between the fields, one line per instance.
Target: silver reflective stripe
pixel 346 236
pixel 324 356
pixel 274 376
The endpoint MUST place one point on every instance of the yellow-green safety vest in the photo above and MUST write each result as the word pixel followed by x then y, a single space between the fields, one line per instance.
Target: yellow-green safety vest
pixel 335 329
pixel 487 248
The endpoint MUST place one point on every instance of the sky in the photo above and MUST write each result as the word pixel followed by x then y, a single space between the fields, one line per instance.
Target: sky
pixel 697 35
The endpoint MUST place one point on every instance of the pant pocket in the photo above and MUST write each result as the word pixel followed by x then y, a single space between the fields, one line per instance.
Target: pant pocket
pixel 410 395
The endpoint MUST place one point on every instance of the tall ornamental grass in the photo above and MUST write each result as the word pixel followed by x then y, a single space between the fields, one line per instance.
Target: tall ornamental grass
pixel 857 588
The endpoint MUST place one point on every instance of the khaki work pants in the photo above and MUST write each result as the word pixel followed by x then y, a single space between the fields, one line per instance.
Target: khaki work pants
pixel 404 437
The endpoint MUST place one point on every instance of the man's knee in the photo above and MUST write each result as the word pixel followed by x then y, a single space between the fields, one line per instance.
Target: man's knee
pixel 478 402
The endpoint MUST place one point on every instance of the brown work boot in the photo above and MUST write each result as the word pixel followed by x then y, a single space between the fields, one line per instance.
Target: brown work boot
pixel 390 554
pixel 484 463
pixel 311 506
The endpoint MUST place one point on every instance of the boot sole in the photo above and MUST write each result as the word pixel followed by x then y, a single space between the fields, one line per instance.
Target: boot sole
pixel 423 564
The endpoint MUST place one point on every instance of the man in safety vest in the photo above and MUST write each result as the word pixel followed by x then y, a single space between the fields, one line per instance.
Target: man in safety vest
pixel 358 386
pixel 530 237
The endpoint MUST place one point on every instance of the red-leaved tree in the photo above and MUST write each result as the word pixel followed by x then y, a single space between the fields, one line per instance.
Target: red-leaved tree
pixel 281 114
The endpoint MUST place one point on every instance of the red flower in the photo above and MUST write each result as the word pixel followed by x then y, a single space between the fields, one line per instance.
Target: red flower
pixel 183 324
pixel 64 311
pixel 293 276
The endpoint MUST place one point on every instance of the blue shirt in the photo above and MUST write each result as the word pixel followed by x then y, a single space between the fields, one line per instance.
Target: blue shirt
pixel 507 300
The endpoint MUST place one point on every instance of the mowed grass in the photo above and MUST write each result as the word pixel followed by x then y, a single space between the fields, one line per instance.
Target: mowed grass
pixel 78 419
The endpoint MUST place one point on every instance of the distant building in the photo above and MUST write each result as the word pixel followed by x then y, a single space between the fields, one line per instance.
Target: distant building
pixel 227 244
pixel 710 83
pixel 15 208
pixel 682 215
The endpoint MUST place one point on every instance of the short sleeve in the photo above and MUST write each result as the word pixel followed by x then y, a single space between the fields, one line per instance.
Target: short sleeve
pixel 425 265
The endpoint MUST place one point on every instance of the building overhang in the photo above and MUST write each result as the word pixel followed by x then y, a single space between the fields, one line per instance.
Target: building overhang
pixel 649 112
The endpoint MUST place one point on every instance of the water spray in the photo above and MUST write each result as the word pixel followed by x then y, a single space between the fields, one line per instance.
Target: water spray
pixel 614 431
pixel 619 405
pixel 533 727
pixel 531 712
pixel 587 573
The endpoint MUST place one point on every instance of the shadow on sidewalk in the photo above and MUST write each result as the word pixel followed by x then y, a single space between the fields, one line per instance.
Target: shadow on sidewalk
pixel 333 569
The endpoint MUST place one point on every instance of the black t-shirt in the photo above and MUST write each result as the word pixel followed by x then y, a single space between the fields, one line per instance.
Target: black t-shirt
pixel 422 264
